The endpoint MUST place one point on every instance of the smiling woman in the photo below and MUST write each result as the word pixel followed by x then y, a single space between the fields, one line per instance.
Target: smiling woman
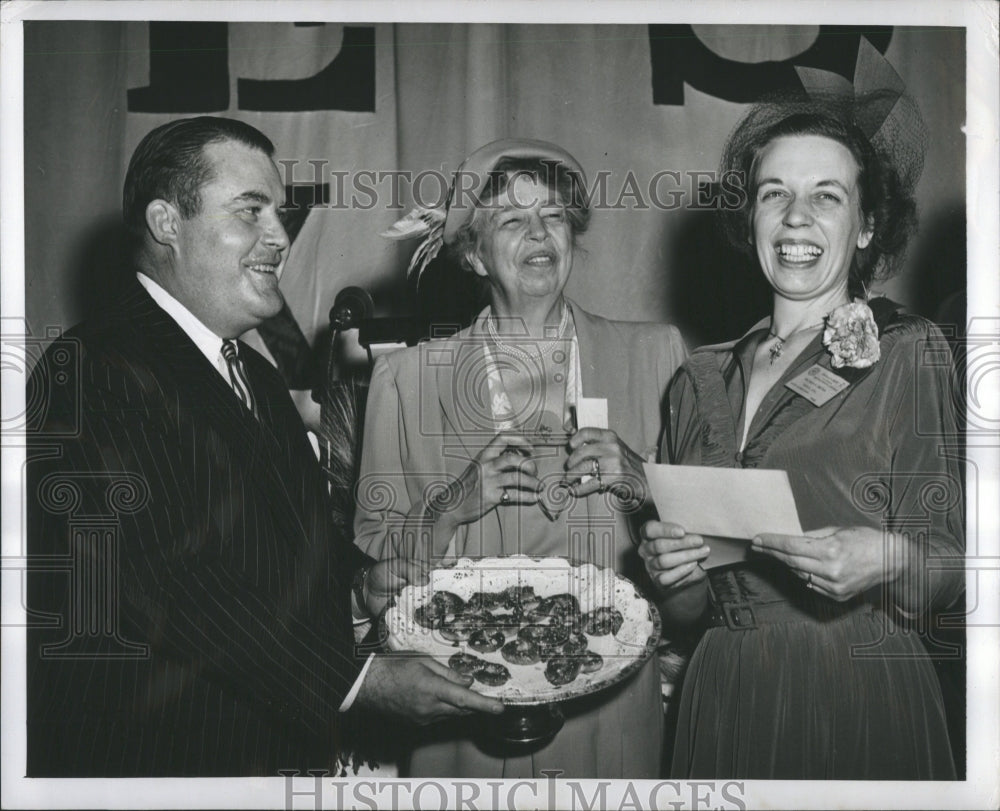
pixel 526 247
pixel 826 678
pixel 476 438
pixel 807 221
pixel 883 170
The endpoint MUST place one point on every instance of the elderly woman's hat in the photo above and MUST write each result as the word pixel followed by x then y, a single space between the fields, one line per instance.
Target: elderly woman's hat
pixel 473 175
pixel 440 226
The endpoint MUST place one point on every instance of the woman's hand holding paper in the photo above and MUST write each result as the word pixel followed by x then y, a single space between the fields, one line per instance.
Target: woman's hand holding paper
pixel 840 562
pixel 673 558
pixel 601 455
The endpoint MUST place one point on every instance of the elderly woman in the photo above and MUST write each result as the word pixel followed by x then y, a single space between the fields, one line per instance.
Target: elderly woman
pixel 455 456
pixel 809 666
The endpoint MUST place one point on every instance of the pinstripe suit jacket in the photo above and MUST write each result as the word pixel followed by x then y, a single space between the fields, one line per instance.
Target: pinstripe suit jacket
pixel 193 615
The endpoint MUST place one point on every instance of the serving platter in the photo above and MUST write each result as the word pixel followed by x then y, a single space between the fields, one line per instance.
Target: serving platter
pixel 622 652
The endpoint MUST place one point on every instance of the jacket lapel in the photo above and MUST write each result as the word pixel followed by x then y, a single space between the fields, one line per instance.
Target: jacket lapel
pixel 720 388
pixel 201 392
pixel 284 451
pixel 771 424
pixel 205 399
pixel 467 418
pixel 812 354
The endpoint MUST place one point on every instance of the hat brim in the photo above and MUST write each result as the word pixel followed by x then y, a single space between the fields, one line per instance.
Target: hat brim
pixel 473 175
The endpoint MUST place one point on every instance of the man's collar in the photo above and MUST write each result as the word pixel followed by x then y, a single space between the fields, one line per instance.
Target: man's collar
pixel 207 341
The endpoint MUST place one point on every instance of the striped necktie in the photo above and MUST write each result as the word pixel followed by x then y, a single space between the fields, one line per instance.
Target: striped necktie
pixel 238 376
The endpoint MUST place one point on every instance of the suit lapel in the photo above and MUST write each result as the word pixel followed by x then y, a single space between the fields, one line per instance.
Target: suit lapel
pixel 205 399
pixel 200 389
pixel 467 417
pixel 603 370
pixel 284 453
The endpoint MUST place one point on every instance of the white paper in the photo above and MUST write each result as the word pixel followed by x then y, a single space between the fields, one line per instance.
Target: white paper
pixel 592 412
pixel 726 502
pixel 725 551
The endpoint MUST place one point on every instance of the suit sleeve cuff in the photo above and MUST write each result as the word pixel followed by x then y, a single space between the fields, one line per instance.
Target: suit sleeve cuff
pixel 356 688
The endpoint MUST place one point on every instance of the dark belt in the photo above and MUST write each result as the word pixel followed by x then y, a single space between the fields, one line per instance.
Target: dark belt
pixel 736 608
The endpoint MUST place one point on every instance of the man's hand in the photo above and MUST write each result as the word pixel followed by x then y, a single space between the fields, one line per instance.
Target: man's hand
pixel 420 689
pixel 388 577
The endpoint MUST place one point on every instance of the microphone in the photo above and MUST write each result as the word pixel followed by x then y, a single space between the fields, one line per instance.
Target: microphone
pixel 352 306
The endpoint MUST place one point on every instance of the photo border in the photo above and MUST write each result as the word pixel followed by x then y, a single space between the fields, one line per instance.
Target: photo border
pixel 979 19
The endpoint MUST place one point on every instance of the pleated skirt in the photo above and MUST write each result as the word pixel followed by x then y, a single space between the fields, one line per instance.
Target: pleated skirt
pixel 849 697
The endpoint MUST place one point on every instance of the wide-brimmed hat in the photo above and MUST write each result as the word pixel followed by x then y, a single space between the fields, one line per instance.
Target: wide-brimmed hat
pixel 440 226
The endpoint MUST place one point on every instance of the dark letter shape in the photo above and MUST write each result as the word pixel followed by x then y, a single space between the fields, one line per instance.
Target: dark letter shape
pixel 188 69
pixel 347 83
pixel 678 56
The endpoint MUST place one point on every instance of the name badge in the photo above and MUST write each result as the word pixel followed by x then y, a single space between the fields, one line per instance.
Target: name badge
pixel 817 385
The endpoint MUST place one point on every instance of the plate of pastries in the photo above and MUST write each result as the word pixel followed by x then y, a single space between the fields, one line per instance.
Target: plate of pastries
pixel 527 630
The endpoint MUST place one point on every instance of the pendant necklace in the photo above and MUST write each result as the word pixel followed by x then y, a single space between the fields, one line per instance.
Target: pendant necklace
pixel 776 350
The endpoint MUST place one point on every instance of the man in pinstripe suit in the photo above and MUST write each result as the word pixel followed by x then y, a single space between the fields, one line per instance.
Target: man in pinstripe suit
pixel 191 612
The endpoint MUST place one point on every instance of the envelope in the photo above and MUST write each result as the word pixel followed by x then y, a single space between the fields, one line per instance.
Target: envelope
pixel 725 502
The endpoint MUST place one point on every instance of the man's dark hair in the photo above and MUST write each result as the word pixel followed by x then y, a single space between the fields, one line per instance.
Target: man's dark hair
pixel 170 164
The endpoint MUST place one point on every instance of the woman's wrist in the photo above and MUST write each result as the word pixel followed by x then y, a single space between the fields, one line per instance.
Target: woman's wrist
pixel 440 520
pixel 439 510
pixel 441 525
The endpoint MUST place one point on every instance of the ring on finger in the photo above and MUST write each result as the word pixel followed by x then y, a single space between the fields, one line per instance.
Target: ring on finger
pixel 809 580
pixel 595 468
pixel 505 497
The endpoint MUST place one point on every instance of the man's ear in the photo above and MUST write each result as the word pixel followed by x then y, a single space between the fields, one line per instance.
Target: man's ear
pixel 163 221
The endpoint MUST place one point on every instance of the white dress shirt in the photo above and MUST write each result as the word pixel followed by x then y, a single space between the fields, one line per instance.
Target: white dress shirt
pixel 210 345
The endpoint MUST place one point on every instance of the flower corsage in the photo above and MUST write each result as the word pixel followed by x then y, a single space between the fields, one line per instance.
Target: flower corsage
pixel 851 336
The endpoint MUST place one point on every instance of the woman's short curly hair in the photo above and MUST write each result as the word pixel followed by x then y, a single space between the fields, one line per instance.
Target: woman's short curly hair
pixel 889 165
pixel 560 181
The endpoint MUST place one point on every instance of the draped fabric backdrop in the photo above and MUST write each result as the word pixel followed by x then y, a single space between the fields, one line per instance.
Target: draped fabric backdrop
pixel 627 101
